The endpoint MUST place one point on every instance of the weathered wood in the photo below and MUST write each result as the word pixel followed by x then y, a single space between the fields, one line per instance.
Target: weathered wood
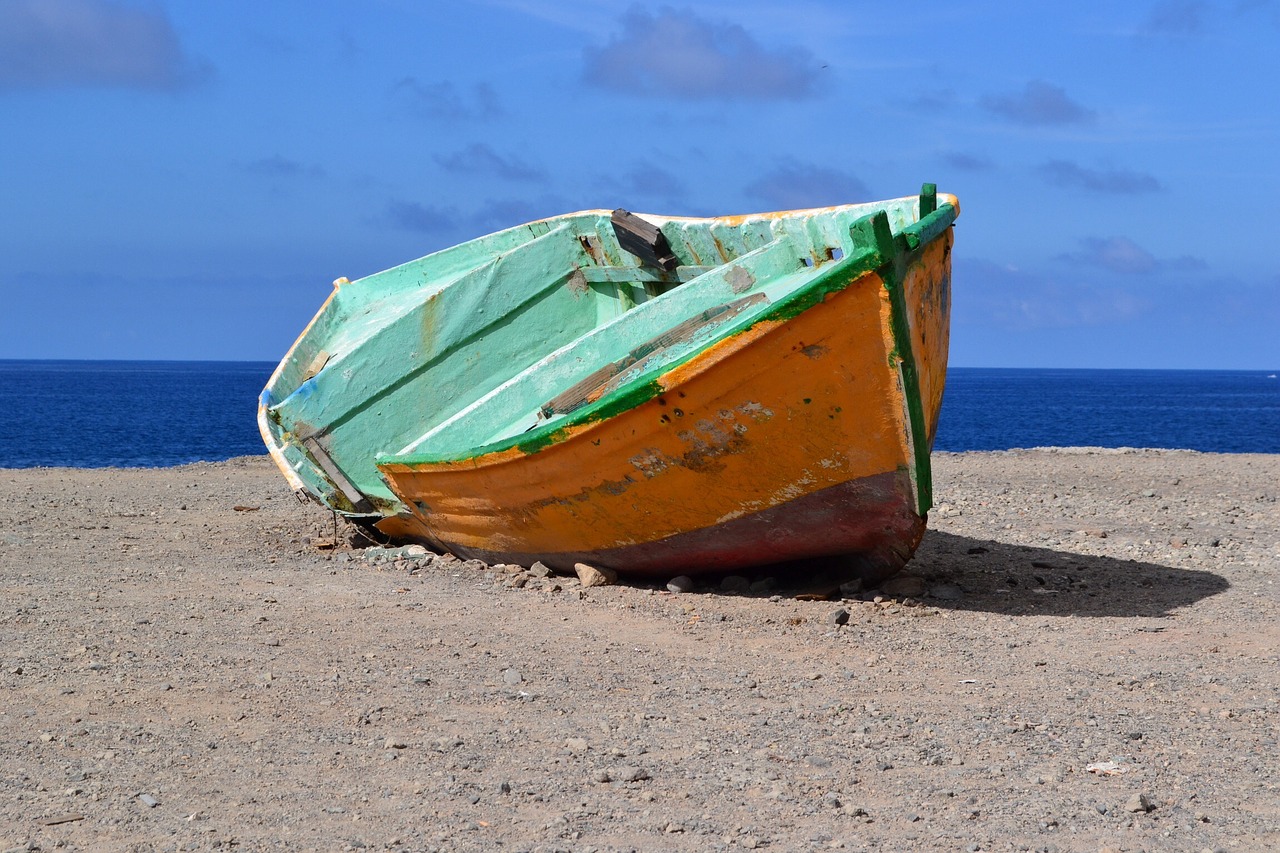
pixel 928 199
pixel 640 275
pixel 873 232
pixel 358 502
pixel 643 239
pixel 517 398
pixel 600 382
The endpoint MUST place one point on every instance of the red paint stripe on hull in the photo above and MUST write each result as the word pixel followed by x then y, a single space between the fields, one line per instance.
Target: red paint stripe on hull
pixel 871 517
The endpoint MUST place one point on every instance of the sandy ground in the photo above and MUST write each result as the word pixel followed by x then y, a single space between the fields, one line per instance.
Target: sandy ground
pixel 1082 657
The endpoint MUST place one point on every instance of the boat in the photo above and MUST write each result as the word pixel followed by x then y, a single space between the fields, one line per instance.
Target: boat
pixel 649 394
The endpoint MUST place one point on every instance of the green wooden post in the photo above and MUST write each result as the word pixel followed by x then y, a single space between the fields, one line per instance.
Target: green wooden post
pixel 928 199
pixel 873 232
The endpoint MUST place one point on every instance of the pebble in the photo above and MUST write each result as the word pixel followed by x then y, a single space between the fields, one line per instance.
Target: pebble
pixel 839 617
pixel 680 687
pixel 148 800
pixel 852 587
pixel 380 554
pixel 592 576
pixel 735 584
pixel 680 583
pixel 394 743
pixel 539 569
pixel 1138 803
pixel 627 773
pixel 512 677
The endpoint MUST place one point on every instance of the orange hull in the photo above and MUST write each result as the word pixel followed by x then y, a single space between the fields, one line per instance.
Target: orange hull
pixel 800 436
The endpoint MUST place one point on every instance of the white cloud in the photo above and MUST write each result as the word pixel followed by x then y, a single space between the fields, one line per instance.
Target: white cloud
pixel 443 99
pixel 479 158
pixel 678 54
pixel 1038 104
pixel 60 43
pixel 1065 173
pixel 793 186
pixel 988 294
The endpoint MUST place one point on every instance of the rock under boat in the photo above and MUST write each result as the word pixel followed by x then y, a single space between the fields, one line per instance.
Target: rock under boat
pixel 656 395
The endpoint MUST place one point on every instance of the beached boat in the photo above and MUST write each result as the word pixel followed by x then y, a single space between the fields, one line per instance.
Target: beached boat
pixel 655 395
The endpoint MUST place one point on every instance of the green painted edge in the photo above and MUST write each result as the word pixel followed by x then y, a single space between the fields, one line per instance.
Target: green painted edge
pixel 646 386
pixel 840 275
pixel 928 199
pixel 903 353
pixel 876 231
pixel 915 237
pixel 627 397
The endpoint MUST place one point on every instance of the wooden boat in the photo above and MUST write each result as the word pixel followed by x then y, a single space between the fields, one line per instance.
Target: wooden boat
pixel 654 395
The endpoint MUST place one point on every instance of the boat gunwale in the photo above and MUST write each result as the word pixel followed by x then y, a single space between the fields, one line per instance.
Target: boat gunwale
pixel 838 276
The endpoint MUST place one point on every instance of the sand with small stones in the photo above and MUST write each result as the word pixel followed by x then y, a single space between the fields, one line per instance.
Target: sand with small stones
pixel 1084 655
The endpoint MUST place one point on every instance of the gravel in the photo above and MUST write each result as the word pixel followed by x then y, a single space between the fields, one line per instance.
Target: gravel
pixel 1064 621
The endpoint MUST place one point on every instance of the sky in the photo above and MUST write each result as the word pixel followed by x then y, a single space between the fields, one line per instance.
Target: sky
pixel 184 180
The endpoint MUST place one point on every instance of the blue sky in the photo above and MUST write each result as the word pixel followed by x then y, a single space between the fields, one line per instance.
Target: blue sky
pixel 184 180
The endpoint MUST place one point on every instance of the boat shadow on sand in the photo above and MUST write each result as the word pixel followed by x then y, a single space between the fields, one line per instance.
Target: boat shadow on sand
pixel 948 571
pixel 963 573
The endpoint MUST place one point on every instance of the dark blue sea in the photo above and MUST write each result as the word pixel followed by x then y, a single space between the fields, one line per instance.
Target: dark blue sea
pixel 1220 411
pixel 154 413
pixel 94 414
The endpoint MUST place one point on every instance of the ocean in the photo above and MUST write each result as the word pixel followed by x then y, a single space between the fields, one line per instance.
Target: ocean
pixel 1219 411
pixel 155 413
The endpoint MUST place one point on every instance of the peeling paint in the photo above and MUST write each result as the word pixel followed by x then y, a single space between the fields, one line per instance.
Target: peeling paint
pixel 739 279
pixel 467 362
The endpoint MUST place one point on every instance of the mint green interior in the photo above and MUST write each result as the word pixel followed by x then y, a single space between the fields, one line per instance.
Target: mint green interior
pixel 462 349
